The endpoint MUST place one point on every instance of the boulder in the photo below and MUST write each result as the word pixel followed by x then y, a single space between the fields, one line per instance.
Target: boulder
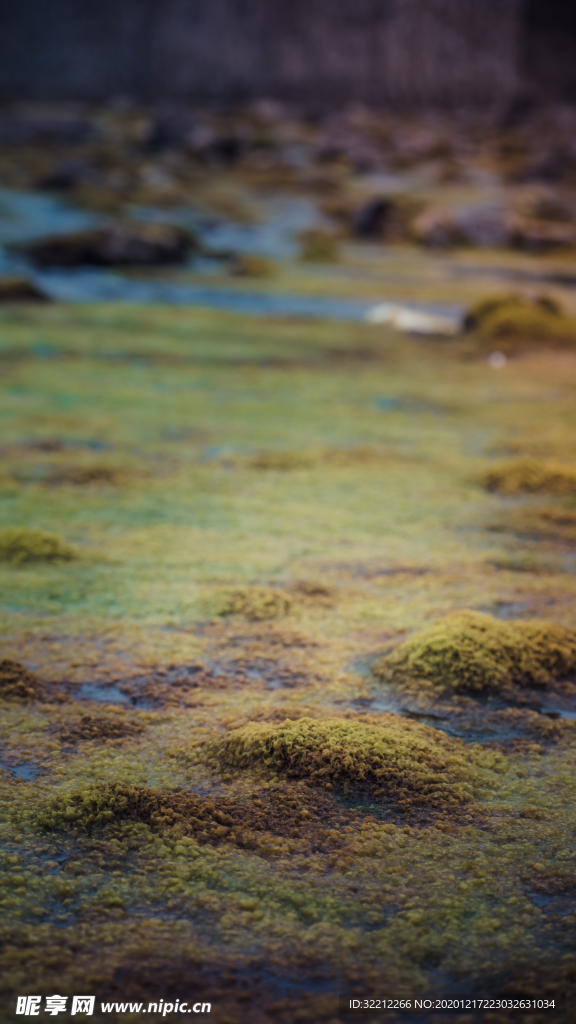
pixel 120 245
pixel 372 218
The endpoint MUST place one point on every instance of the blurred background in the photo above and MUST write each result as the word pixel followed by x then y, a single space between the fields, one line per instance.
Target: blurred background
pixel 320 52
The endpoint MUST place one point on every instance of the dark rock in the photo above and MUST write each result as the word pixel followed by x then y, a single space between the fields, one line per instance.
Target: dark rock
pixel 21 289
pixel 371 220
pixel 67 175
pixel 121 245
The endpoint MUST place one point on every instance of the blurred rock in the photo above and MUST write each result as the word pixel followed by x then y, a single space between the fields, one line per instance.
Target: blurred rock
pixel 484 226
pixel 371 219
pixel 541 236
pixel 116 246
pixel 21 289
pixel 437 228
pixel 387 218
pixel 67 175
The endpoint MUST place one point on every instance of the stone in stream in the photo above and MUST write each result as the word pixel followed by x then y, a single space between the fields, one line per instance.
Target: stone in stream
pixel 114 246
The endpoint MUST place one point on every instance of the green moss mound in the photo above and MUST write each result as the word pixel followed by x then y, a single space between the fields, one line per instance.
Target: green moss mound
pixel 470 652
pixel 405 763
pixel 22 546
pixel 512 322
pixel 530 476
pixel 255 603
pixel 17 683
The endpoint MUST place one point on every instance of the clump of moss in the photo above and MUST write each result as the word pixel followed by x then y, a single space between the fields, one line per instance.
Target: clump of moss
pixel 313 591
pixel 404 762
pixel 22 546
pixel 318 246
pixel 103 804
pixel 531 476
pixel 98 727
pixel 281 461
pixel 82 476
pixel 255 603
pixel 548 523
pixel 512 322
pixel 471 652
pixel 17 683
pixel 276 821
pixel 251 265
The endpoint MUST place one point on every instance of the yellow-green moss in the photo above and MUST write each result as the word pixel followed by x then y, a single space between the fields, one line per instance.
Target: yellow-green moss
pixel 21 546
pixel 530 476
pixel 512 322
pixel 318 247
pixel 255 603
pixel 251 265
pixel 113 801
pixel 471 652
pixel 405 763
pixel 282 461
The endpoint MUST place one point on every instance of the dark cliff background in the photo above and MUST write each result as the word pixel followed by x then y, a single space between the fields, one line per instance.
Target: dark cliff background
pixel 401 52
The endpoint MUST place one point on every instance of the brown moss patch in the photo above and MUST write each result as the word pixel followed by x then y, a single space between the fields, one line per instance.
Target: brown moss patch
pixel 81 476
pixel 281 461
pixel 471 652
pixel 180 685
pixel 313 592
pixel 406 764
pixel 549 524
pixel 531 476
pixel 290 818
pixel 287 460
pixel 22 546
pixel 296 812
pixel 17 683
pixel 98 728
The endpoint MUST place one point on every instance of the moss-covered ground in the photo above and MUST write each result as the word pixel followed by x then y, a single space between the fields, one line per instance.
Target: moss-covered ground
pixel 205 787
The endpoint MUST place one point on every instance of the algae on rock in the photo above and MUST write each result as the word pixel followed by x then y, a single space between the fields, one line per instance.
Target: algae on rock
pixel 472 652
